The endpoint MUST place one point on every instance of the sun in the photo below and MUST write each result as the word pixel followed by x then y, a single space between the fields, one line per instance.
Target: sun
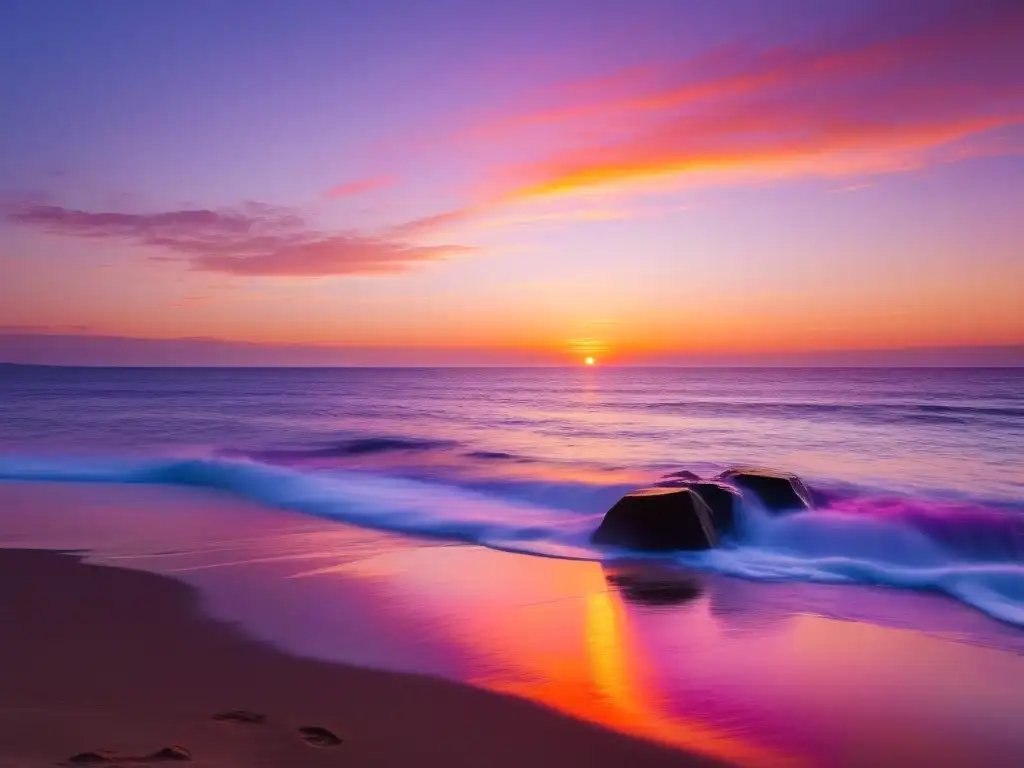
pixel 589 361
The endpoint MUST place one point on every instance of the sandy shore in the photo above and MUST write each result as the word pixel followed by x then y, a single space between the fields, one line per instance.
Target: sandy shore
pixel 95 658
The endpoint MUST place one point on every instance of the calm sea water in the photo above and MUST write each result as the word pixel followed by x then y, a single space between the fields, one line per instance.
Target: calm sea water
pixel 918 473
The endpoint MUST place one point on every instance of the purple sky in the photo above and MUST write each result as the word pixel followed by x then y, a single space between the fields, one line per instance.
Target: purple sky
pixel 458 182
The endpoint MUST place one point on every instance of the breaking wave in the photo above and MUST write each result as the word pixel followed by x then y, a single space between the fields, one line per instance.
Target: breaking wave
pixel 973 552
pixel 360 446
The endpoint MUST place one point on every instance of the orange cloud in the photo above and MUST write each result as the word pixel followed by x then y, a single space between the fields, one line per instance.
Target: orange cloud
pixel 842 148
pixel 886 98
pixel 729 71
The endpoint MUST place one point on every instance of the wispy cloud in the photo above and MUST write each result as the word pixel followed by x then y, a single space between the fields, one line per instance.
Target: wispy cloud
pixel 497 215
pixel 853 188
pixel 358 187
pixel 191 302
pixel 438 221
pixel 889 95
pixel 67 329
pixel 253 239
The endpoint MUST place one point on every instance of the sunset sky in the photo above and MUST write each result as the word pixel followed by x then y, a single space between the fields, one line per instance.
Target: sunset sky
pixel 461 182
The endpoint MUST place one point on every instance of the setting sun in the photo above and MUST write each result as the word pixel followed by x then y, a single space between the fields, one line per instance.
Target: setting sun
pixel 589 361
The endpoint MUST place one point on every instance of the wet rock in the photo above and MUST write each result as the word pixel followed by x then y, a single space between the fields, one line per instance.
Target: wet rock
pixel 722 499
pixel 777 491
pixel 671 483
pixel 658 519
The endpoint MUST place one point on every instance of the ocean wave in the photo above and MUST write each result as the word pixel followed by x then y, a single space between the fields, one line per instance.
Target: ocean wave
pixel 395 504
pixel 354 447
pixel 973 553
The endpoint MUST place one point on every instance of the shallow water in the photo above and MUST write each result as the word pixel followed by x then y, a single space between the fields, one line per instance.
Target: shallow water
pixel 918 473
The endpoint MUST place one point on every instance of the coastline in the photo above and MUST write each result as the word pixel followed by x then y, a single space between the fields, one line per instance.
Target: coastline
pixel 741 672
pixel 107 658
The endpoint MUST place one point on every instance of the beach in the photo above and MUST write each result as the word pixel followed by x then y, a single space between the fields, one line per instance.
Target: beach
pixel 95 658
pixel 190 603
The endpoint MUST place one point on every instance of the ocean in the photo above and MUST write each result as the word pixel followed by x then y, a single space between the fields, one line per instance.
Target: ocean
pixel 918 474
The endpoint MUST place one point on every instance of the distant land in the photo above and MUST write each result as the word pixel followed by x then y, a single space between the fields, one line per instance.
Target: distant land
pixel 116 351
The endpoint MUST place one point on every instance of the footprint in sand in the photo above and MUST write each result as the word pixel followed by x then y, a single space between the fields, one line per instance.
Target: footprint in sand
pixel 316 736
pixel 169 753
pixel 89 758
pixel 173 753
pixel 240 716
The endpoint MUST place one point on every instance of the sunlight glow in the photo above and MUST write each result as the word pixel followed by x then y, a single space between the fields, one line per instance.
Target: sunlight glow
pixel 589 361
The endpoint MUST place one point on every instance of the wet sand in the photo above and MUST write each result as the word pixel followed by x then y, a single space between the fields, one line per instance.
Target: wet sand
pixel 96 658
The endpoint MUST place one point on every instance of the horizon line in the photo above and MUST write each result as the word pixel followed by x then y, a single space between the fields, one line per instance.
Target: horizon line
pixel 732 366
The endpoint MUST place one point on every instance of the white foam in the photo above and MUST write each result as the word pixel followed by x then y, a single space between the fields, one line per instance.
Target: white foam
pixel 822 546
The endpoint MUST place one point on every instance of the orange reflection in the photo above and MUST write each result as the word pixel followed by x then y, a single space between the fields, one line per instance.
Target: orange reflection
pixel 552 631
pixel 615 693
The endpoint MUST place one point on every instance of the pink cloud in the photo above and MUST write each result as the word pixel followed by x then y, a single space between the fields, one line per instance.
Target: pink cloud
pixel 359 186
pixel 437 221
pixel 253 240
pixel 890 94
pixel 332 255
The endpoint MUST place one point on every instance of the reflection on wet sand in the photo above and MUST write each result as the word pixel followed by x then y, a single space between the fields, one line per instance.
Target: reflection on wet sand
pixel 734 669
pixel 650 583
pixel 559 633
pixel 629 702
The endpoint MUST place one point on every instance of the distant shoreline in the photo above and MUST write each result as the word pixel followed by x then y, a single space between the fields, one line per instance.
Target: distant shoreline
pixel 879 367
pixel 93 350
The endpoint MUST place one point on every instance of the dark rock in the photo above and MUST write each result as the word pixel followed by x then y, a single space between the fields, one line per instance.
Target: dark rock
pixel 658 519
pixel 778 491
pixel 672 483
pixel 722 499
pixel 316 736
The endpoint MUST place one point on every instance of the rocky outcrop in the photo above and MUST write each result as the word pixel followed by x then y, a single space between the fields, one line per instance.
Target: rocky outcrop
pixel 777 491
pixel 659 519
pixel 721 497
pixel 684 512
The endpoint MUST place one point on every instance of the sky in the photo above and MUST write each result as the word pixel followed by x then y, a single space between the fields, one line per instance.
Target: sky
pixel 404 182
